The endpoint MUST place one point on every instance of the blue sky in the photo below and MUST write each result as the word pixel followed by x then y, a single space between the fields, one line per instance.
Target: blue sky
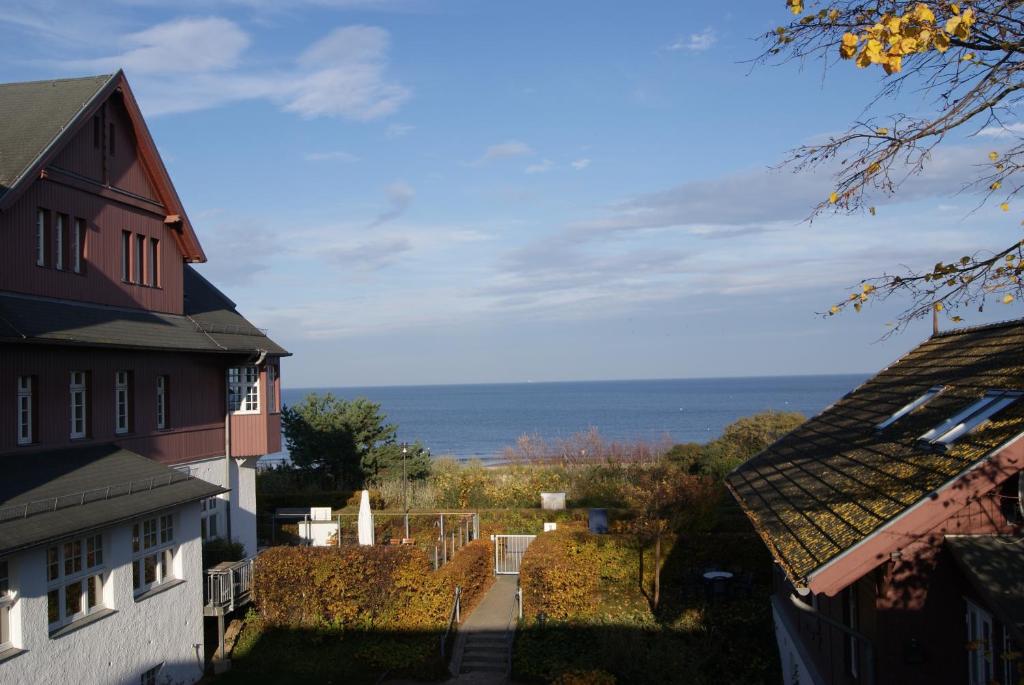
pixel 423 191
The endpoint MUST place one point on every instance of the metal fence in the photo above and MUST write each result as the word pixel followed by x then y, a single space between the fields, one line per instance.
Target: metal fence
pixel 509 551
pixel 229 585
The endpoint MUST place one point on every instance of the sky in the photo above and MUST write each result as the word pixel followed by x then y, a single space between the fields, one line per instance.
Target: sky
pixel 433 191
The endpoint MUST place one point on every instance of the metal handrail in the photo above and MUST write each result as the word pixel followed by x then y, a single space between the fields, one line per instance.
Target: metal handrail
pixel 77 499
pixel 227 586
pixel 453 618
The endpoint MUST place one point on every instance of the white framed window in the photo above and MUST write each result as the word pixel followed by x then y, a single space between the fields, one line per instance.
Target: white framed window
pixel 1010 672
pixel 162 383
pixel 154 263
pixel 75 578
pixel 58 235
pixel 79 389
pixel 979 645
pixel 25 432
pixel 122 401
pixel 908 408
pixel 950 430
pixel 139 261
pixel 77 245
pixel 5 606
pixel 154 550
pixel 126 256
pixel 244 389
pixel 208 518
pixel 41 237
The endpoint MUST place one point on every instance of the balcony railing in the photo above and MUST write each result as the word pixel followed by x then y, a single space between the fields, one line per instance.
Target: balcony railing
pixel 229 585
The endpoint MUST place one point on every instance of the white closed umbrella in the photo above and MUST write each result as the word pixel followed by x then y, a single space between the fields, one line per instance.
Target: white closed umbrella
pixel 365 520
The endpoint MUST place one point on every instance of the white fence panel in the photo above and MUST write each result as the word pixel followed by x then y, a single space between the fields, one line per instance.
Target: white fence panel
pixel 508 552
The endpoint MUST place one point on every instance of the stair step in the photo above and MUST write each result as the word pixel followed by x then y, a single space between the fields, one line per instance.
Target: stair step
pixel 483 669
pixel 485 656
pixel 481 639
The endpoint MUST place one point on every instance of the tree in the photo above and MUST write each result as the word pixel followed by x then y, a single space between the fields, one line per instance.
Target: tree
pixel 969 59
pixel 668 500
pixel 386 461
pixel 349 439
pixel 740 441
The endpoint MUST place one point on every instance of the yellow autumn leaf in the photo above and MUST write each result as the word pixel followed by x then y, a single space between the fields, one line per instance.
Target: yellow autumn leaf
pixel 868 288
pixel 996 185
pixel 956 319
pixel 941 41
pixel 795 6
pixel 954 8
pixel 993 155
pixel 883 131
pixel 1005 207
pixel 938 306
pixel 893 64
pixel 1007 298
pixel 834 310
pixel 833 198
pixel 968 57
pixel 871 210
pixel 833 14
pixel 923 13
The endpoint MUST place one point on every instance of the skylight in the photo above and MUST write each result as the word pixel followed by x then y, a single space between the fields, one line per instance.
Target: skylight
pixel 906 409
pixel 970 418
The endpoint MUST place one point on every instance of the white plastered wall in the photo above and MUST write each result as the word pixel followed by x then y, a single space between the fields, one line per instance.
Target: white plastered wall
pixel 166 627
pixel 242 498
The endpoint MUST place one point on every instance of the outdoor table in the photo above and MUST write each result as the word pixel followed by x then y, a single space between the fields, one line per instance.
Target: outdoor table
pixel 715 575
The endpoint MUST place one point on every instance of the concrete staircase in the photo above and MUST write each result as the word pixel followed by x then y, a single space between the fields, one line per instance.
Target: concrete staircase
pixel 484 652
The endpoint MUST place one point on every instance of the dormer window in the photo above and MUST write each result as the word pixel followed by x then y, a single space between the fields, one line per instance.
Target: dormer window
pixel 911 407
pixel 960 424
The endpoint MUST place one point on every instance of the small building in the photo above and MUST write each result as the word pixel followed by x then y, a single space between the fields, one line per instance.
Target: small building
pixel 135 399
pixel 894 518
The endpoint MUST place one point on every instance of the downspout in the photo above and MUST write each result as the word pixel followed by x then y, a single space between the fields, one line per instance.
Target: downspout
pixel 869 650
pixel 227 448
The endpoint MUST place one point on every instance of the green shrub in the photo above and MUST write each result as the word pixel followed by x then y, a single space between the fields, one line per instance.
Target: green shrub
pixel 219 550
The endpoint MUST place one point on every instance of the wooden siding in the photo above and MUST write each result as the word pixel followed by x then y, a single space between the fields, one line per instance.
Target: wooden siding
pixel 101 281
pixel 123 169
pixel 195 403
pixel 253 435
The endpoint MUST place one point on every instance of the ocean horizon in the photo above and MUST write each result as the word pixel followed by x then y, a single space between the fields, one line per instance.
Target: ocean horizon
pixel 479 420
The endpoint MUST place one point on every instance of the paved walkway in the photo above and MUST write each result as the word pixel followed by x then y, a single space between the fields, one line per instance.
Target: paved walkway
pixel 483 644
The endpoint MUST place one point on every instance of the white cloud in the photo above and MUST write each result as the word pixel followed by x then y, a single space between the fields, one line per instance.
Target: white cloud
pixel 192 64
pixel 580 164
pixel 1014 130
pixel 505 150
pixel 179 46
pixel 336 155
pixel 696 42
pixel 400 196
pixel 540 167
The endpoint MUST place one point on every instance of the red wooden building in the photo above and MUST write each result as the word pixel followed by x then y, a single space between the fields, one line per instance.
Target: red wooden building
pixel 108 337
pixel 894 518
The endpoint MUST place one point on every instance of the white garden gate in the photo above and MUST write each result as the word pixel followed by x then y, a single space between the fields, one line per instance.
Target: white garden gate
pixel 508 552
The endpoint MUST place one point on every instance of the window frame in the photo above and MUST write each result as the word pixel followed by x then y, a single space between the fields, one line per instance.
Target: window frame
pixel 980 661
pixel 149 676
pixel 79 388
pixel 60 227
pixel 126 256
pixel 77 247
pixel 163 383
pixel 209 510
pixel 851 647
pixel 911 407
pixel 122 401
pixel 273 407
pixel 42 221
pixel 6 600
pixel 139 260
pixel 970 417
pixel 163 550
pixel 25 427
pixel 82 568
pixel 153 277
pixel 244 390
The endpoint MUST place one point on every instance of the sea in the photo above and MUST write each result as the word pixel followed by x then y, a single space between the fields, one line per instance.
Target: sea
pixel 480 420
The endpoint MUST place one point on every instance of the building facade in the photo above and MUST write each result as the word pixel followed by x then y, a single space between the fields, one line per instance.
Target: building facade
pixel 127 381
pixel 894 518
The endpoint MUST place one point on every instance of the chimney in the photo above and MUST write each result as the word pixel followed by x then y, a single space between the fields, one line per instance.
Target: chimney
pixel 935 321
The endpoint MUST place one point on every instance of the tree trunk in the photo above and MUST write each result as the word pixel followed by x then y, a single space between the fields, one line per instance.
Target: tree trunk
pixel 657 569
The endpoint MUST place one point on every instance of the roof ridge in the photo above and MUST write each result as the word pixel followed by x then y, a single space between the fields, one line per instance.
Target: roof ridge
pixel 57 80
pixel 980 327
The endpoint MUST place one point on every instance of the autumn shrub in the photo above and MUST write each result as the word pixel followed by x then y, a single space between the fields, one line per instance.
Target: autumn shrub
pixel 471 569
pixel 340 587
pixel 566 574
pixel 589 677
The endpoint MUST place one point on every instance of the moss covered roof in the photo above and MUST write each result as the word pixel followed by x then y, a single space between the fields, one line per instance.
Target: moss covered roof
pixel 837 478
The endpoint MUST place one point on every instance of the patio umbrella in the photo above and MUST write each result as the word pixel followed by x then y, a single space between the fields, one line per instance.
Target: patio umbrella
pixel 365 520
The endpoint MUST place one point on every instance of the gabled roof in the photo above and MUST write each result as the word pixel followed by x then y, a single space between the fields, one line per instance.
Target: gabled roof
pixel 38 118
pixel 71 491
pixel 993 564
pixel 837 480
pixel 210 323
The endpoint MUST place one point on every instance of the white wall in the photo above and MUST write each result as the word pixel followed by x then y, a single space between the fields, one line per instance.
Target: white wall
pixel 794 670
pixel 316 533
pixel 242 498
pixel 166 627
